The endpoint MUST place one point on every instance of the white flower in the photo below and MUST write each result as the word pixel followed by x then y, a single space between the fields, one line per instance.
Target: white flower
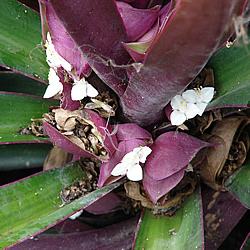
pixel 82 89
pixel 55 86
pixel 53 58
pixel 130 164
pixel 191 103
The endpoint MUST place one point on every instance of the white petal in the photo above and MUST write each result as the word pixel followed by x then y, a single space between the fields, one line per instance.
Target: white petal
pixel 202 106
pixel 75 215
pixel 207 94
pixel 131 158
pixel 192 110
pixel 134 173
pixel 177 118
pixel 53 77
pixel 119 169
pixel 177 102
pixel 91 91
pixel 52 90
pixel 55 86
pixel 190 95
pixel 144 153
pixel 65 64
pixel 79 91
pixel 53 58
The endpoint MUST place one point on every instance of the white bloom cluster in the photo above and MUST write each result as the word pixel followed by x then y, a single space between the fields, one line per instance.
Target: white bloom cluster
pixel 192 102
pixel 130 164
pixel 81 88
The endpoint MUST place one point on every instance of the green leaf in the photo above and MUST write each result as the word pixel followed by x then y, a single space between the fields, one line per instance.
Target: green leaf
pixel 34 204
pixel 232 76
pixel 20 40
pixel 16 113
pixel 181 231
pixel 12 82
pixel 22 156
pixel 238 185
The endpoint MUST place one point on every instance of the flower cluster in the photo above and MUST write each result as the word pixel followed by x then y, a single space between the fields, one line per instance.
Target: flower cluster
pixel 130 164
pixel 192 102
pixel 81 88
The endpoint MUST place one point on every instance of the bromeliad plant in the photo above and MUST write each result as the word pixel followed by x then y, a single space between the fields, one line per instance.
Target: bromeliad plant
pixel 149 101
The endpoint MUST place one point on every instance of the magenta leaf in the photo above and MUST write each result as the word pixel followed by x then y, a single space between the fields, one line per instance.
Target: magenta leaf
pixel 129 136
pixel 138 49
pixel 116 236
pixel 66 100
pixel 171 152
pixel 130 131
pixel 137 21
pixel 88 22
pixel 155 189
pixel 106 204
pixel 62 41
pixel 177 56
pixel 226 212
pixel 172 60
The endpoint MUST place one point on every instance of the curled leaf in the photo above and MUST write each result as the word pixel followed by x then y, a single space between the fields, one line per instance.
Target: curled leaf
pixel 232 141
pixel 137 21
pixel 81 133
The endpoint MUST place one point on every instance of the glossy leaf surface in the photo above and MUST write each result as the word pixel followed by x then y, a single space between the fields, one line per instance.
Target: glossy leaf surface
pixel 238 185
pixel 181 231
pixel 12 82
pixel 20 40
pixel 232 76
pixel 33 204
pixel 16 113
pixel 20 156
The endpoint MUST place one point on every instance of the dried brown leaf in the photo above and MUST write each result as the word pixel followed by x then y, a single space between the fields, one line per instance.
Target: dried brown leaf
pixel 231 145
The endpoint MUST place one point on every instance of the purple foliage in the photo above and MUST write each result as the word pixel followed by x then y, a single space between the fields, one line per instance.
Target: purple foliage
pixel 171 152
pixel 129 136
pixel 137 21
pixel 117 236
pixel 166 165
pixel 222 212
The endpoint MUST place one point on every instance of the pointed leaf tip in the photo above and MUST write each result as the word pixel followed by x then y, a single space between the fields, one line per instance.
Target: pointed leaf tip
pixel 171 152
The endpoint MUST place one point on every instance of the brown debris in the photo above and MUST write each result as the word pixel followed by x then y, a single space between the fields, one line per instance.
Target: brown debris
pixel 35 128
pixel 78 129
pixel 84 186
pixel 104 104
pixel 168 204
pixel 231 140
pixel 204 79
